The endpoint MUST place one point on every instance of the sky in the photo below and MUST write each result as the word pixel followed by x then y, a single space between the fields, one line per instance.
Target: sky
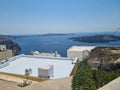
pixel 58 16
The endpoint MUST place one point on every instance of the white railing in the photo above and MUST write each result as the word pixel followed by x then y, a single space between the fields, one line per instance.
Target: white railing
pixel 59 58
pixel 4 64
pixel 15 57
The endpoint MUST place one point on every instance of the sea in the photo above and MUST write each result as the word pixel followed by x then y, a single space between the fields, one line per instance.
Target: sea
pixel 56 42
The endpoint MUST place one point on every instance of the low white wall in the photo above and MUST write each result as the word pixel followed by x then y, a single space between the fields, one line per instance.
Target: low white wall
pixel 15 57
pixel 4 64
pixel 60 58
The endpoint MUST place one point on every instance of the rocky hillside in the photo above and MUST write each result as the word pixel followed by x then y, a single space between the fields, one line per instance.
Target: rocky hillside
pixel 10 44
pixel 106 58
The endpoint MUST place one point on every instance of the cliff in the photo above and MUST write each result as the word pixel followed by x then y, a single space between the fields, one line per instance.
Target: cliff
pixel 10 44
pixel 105 58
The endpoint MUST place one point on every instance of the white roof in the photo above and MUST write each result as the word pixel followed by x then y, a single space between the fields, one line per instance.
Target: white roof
pixel 81 48
pixel 48 66
pixel 62 66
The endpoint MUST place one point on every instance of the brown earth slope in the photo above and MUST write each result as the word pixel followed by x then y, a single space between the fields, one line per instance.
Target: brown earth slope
pixel 104 58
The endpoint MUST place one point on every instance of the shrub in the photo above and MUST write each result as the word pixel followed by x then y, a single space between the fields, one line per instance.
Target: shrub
pixel 82 80
pixel 87 79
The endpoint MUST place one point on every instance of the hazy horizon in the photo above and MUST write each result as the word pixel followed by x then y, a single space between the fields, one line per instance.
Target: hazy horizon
pixel 25 17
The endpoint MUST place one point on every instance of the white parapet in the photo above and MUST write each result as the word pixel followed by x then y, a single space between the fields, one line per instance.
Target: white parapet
pixel 2 47
pixel 37 53
pixel 3 64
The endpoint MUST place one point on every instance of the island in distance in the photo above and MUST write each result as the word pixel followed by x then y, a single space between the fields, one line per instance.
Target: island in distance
pixel 96 38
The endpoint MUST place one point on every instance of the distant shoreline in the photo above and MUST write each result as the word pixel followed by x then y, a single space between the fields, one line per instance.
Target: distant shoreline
pixel 22 36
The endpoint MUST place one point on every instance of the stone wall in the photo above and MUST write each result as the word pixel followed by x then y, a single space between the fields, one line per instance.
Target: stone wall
pixel 5 54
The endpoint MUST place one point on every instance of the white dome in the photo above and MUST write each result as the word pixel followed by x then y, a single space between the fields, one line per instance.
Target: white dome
pixel 36 52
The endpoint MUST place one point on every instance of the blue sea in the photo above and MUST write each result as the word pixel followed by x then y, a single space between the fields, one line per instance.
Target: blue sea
pixel 59 43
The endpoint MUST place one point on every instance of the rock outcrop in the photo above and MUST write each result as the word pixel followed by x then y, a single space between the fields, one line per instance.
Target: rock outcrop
pixel 10 44
pixel 105 58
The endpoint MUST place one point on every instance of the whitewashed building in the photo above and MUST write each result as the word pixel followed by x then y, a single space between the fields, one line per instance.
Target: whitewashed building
pixel 81 52
pixel 2 47
pixel 4 53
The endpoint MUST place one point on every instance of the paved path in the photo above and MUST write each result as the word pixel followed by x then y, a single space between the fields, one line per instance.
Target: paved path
pixel 11 83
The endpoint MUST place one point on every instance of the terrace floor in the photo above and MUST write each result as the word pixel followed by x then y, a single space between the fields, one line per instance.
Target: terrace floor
pixel 62 67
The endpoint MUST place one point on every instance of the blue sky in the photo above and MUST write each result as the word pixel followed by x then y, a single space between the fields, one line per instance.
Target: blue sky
pixel 58 16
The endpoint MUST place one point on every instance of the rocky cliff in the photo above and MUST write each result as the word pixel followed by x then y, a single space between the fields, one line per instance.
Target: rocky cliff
pixel 105 58
pixel 10 44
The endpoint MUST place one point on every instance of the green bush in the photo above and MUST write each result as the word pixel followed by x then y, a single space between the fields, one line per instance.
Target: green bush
pixel 82 80
pixel 87 79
